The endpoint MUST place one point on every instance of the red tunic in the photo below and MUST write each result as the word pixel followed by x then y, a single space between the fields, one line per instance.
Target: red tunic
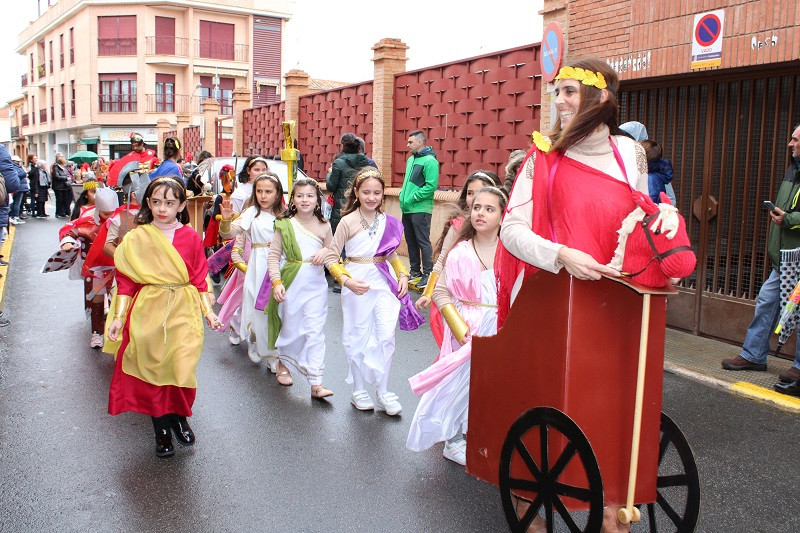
pixel 117 164
pixel 128 393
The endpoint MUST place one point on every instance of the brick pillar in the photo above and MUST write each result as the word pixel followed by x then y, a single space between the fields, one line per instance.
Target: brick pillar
pixel 554 11
pixel 241 100
pixel 389 59
pixel 296 82
pixel 183 123
pixel 210 112
pixel 163 127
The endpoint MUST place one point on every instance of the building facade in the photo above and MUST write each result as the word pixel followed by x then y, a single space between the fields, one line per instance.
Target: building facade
pixel 98 70
pixel 717 84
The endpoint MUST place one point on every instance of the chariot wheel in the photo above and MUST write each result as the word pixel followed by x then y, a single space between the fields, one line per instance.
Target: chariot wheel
pixel 535 485
pixel 678 483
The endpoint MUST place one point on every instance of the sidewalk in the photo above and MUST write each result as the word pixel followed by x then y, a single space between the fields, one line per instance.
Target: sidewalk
pixel 699 358
pixel 5 251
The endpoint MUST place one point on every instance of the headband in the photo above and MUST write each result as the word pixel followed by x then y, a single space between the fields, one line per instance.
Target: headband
pixel 273 177
pixel 587 77
pixel 168 178
pixel 255 160
pixel 175 141
pixel 369 174
pixel 496 189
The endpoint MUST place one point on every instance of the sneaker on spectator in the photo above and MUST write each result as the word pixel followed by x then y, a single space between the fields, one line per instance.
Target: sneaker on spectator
pixel 423 282
pixel 97 341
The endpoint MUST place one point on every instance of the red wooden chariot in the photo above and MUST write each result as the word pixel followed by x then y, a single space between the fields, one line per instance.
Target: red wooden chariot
pixel 565 409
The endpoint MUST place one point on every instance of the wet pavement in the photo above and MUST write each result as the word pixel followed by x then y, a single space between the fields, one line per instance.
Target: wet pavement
pixel 268 458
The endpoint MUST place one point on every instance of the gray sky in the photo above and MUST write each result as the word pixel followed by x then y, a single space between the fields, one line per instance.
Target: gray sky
pixel 329 42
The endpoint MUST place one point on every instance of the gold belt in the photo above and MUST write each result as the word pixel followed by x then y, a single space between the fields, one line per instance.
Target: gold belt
pixel 299 261
pixel 169 285
pixel 478 304
pixel 366 260
pixel 260 245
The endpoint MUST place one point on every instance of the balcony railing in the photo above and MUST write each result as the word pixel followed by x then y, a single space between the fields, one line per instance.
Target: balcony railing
pixel 117 103
pixel 167 46
pixel 24 80
pixel 116 46
pixel 42 116
pixel 15 131
pixel 26 120
pixel 224 51
pixel 171 103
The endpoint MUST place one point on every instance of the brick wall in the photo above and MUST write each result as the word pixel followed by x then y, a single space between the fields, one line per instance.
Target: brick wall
pixel 325 116
pixel 651 38
pixel 192 142
pixel 263 129
pixel 475 112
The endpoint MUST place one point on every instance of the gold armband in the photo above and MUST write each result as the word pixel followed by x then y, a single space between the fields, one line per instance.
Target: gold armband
pixel 123 304
pixel 454 321
pixel 428 292
pixel 337 271
pixel 241 266
pixel 205 303
pixel 225 225
pixel 276 283
pixel 399 268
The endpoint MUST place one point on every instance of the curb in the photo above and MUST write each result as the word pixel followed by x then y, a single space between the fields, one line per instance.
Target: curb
pixel 5 251
pixel 742 388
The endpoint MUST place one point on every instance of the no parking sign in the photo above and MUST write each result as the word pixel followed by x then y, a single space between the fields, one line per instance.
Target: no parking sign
pixel 552 51
pixel 707 39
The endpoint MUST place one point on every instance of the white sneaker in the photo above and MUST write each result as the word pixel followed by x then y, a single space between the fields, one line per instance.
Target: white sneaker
pixel 97 341
pixel 252 352
pixel 362 401
pixel 233 338
pixel 388 402
pixel 456 451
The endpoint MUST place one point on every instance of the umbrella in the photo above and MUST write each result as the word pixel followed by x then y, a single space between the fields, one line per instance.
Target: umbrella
pixel 84 156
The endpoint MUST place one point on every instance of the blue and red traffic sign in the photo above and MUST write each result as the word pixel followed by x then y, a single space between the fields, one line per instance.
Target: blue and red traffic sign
pixel 552 51
pixel 708 30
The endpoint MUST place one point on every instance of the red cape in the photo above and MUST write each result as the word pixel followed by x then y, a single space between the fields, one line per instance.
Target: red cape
pixel 116 165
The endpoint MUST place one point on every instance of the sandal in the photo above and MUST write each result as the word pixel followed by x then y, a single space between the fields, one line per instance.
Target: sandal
pixel 284 376
pixel 318 392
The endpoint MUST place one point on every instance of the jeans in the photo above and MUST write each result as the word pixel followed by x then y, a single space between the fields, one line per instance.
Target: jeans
pixel 17 202
pixel 417 229
pixel 768 308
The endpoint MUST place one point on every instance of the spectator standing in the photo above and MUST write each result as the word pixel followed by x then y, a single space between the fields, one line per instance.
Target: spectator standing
pixel 61 187
pixel 12 174
pixel 30 163
pixel 659 170
pixel 40 185
pixel 363 150
pixel 784 234
pixel 169 167
pixel 16 214
pixel 340 177
pixel 416 203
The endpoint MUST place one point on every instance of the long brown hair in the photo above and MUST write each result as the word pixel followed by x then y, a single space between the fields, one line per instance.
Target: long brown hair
pixel 467 231
pixel 275 208
pixel 361 176
pixel 292 210
pixel 593 111
pixel 489 178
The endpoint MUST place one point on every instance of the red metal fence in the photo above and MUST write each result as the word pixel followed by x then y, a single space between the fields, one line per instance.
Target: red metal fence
pixel 325 116
pixel 475 112
pixel 263 129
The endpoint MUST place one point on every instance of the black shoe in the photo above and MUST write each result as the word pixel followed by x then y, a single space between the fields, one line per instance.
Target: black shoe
pixel 423 282
pixel 164 447
pixel 216 278
pixel 792 389
pixel 182 431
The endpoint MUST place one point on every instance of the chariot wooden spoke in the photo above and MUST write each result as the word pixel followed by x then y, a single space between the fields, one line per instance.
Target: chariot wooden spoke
pixel 529 462
pixel 543 446
pixel 662 447
pixel 563 460
pixel 651 515
pixel 531 513
pixel 676 519
pixel 675 480
pixel 565 516
pixel 570 491
pixel 523 484
pixel 548 513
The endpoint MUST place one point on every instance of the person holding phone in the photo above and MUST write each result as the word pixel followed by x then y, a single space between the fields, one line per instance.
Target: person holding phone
pixel 784 234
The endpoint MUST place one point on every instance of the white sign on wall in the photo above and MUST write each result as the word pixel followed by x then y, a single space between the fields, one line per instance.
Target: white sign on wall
pixel 707 39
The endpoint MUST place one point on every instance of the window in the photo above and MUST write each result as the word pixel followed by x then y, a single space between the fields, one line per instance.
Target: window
pixel 33 110
pixel 31 67
pixel 216 40
pixel 51 57
pixel 118 93
pixel 165 35
pixel 225 96
pixel 165 93
pixel 72 98
pixel 72 46
pixel 52 104
pixel 63 103
pixel 116 36
pixel 40 68
pixel 61 50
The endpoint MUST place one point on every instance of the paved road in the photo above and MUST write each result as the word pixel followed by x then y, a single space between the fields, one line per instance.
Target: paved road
pixel 270 459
